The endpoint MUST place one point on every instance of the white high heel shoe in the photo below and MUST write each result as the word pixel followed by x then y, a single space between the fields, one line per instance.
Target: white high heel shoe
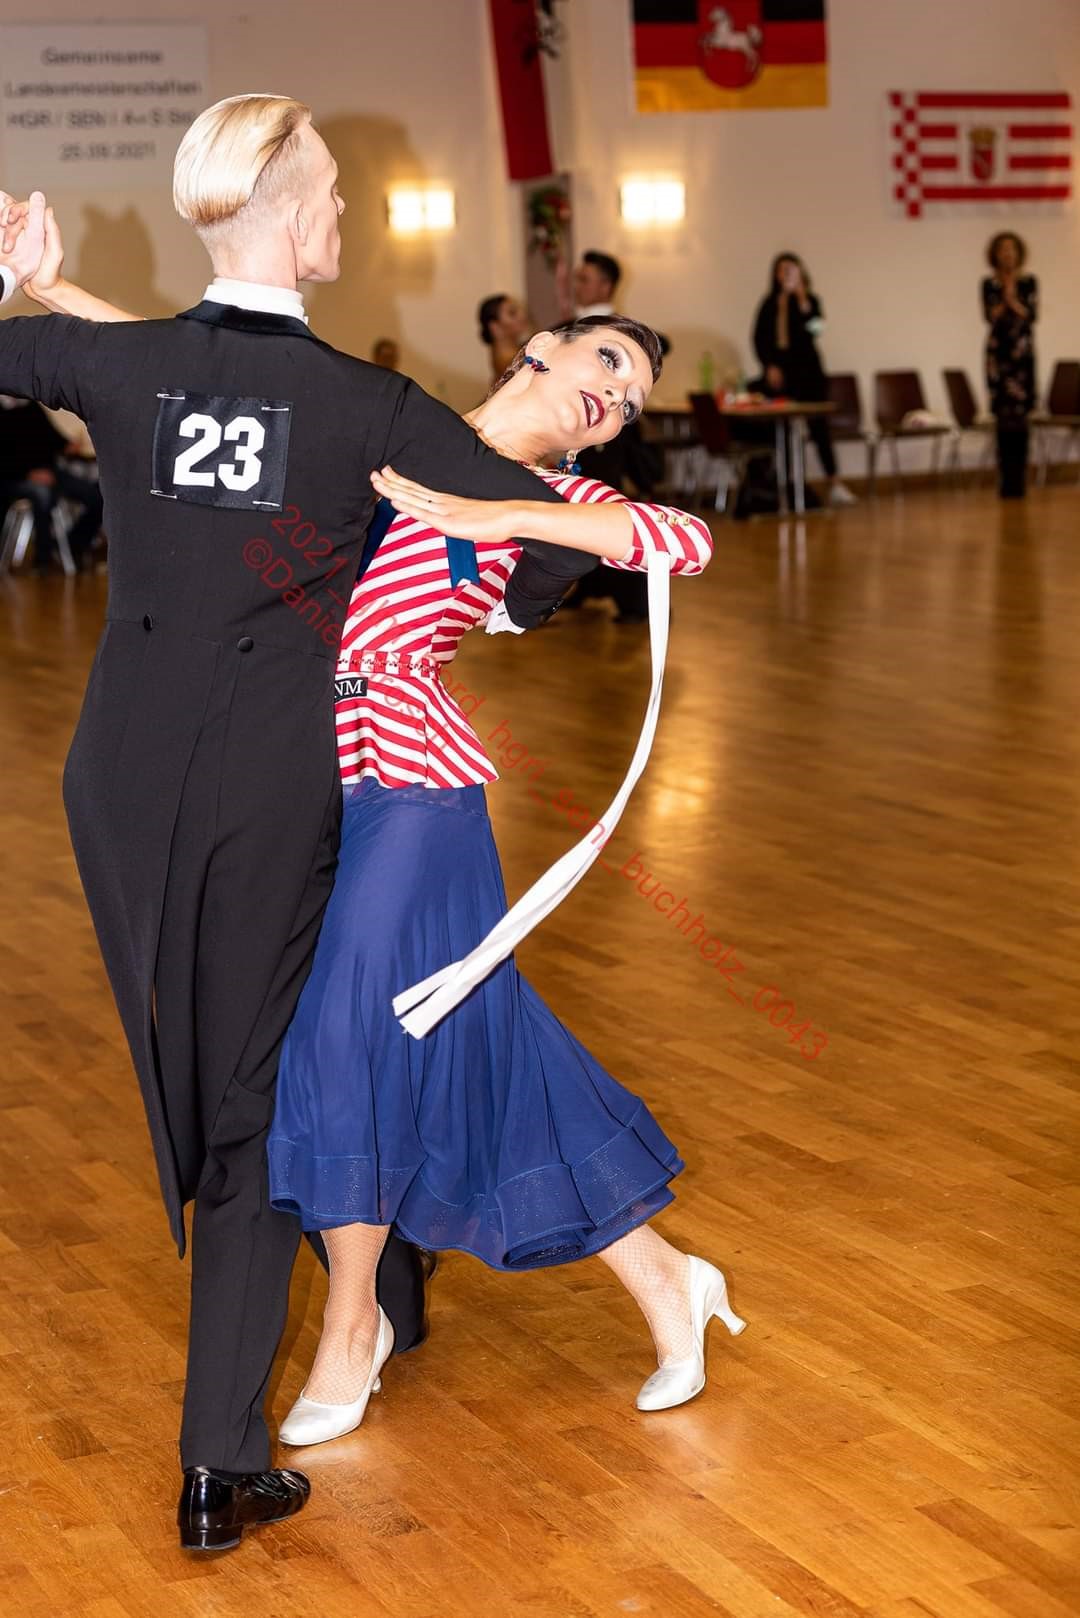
pixel 680 1380
pixel 312 1423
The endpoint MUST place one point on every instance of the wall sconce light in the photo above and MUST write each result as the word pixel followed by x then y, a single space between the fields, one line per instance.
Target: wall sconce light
pixel 412 209
pixel 652 202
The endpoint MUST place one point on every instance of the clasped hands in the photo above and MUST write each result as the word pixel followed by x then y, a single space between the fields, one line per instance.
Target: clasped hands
pixel 30 242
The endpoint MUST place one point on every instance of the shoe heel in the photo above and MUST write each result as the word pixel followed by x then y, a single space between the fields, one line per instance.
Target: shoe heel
pixel 376 1385
pixel 734 1323
pixel 209 1539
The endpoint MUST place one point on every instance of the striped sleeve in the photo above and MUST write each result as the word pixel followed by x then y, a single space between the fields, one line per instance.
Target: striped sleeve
pixel 664 529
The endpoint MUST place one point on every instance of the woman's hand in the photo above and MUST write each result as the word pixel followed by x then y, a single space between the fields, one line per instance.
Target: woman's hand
pixel 774 377
pixel 490 520
pixel 47 278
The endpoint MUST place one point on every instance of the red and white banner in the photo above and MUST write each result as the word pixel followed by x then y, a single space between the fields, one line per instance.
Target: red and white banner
pixel 979 147
pixel 518 63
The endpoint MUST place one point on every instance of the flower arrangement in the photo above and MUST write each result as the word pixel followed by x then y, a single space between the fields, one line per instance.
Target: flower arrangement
pixel 549 215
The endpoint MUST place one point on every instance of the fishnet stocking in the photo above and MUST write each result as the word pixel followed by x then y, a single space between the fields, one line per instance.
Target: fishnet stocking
pixel 351 1316
pixel 657 1275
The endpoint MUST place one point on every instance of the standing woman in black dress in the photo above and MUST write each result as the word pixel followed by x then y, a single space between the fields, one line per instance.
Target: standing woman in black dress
pixel 1010 304
pixel 788 322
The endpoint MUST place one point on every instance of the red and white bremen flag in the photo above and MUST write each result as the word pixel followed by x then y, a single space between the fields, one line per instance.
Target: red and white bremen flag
pixel 980 147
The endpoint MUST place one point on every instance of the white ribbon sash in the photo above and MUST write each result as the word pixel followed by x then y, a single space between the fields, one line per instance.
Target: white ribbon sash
pixel 419 1008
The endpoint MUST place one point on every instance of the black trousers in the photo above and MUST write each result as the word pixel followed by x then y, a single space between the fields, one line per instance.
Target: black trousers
pixel 1012 458
pixel 84 491
pixel 818 428
pixel 629 591
pixel 242 1250
pixel 242 1256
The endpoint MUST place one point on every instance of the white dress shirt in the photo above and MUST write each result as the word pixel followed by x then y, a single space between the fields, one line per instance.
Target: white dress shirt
pixel 256 295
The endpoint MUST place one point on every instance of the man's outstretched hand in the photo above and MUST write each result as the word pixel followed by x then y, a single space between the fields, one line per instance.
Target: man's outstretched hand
pixel 22 235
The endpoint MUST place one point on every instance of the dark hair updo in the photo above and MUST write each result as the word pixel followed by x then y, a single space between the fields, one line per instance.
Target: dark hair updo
pixel 568 331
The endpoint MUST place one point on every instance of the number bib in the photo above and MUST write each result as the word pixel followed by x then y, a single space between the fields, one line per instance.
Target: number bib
pixel 215 451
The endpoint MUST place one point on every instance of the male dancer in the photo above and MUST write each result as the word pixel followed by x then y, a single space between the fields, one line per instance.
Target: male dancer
pixel 202 786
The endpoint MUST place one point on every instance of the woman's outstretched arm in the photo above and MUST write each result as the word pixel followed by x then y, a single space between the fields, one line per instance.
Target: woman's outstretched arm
pixel 593 518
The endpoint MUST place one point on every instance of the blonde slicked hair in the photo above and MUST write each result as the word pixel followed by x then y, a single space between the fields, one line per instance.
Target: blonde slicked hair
pixel 244 145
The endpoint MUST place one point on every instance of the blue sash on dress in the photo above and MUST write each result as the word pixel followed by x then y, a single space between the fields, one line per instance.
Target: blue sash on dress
pixel 460 553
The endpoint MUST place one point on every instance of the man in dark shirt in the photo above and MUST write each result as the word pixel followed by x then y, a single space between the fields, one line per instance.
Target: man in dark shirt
pixel 31 469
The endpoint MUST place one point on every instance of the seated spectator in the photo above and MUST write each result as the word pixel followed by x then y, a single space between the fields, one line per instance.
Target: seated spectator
pixel 386 353
pixel 30 469
pixel 789 320
pixel 504 326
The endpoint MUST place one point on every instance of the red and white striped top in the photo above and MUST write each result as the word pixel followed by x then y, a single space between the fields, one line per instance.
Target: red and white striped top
pixel 405 622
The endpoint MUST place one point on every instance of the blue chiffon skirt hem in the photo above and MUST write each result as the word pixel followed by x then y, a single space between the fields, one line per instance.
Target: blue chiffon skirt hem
pixel 551 1214
pixel 498 1133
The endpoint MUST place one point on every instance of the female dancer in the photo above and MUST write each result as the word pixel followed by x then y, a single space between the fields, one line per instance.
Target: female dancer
pixel 497 1134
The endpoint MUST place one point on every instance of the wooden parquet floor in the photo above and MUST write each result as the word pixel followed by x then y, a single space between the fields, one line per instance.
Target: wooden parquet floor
pixel 865 788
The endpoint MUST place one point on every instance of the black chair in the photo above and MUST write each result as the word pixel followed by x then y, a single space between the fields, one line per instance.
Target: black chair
pixel 846 422
pixel 896 395
pixel 729 456
pixel 1062 413
pixel 967 417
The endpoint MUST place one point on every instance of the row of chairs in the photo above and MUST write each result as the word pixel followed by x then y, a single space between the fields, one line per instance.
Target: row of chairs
pixel 721 457
pixel 16 532
pixel 899 394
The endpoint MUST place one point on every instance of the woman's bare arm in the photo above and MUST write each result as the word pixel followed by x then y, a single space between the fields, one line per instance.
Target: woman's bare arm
pixel 592 518
pixel 607 530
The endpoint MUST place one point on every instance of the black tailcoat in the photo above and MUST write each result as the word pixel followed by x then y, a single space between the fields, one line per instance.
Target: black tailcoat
pixel 202 782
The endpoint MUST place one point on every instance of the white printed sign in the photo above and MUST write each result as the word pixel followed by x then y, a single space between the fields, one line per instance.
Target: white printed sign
pixel 97 105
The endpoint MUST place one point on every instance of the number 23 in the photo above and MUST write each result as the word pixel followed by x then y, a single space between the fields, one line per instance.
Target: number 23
pixel 242 473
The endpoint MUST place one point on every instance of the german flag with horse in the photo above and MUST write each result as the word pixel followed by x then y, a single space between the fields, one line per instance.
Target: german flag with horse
pixel 702 56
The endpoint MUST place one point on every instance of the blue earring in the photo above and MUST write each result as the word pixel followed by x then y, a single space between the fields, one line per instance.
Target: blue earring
pixel 537 365
pixel 569 463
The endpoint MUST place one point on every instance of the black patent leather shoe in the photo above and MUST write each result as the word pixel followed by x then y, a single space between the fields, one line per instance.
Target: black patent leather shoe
pixel 214 1510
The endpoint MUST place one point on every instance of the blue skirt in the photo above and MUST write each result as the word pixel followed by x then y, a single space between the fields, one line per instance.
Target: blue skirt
pixel 497 1134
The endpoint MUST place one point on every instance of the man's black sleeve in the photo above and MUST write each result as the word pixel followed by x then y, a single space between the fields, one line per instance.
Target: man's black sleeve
pixel 52 358
pixel 428 442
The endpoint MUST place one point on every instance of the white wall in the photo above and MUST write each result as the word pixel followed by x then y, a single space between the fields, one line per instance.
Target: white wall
pixel 897 292
pixel 406 90
pixel 402 91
